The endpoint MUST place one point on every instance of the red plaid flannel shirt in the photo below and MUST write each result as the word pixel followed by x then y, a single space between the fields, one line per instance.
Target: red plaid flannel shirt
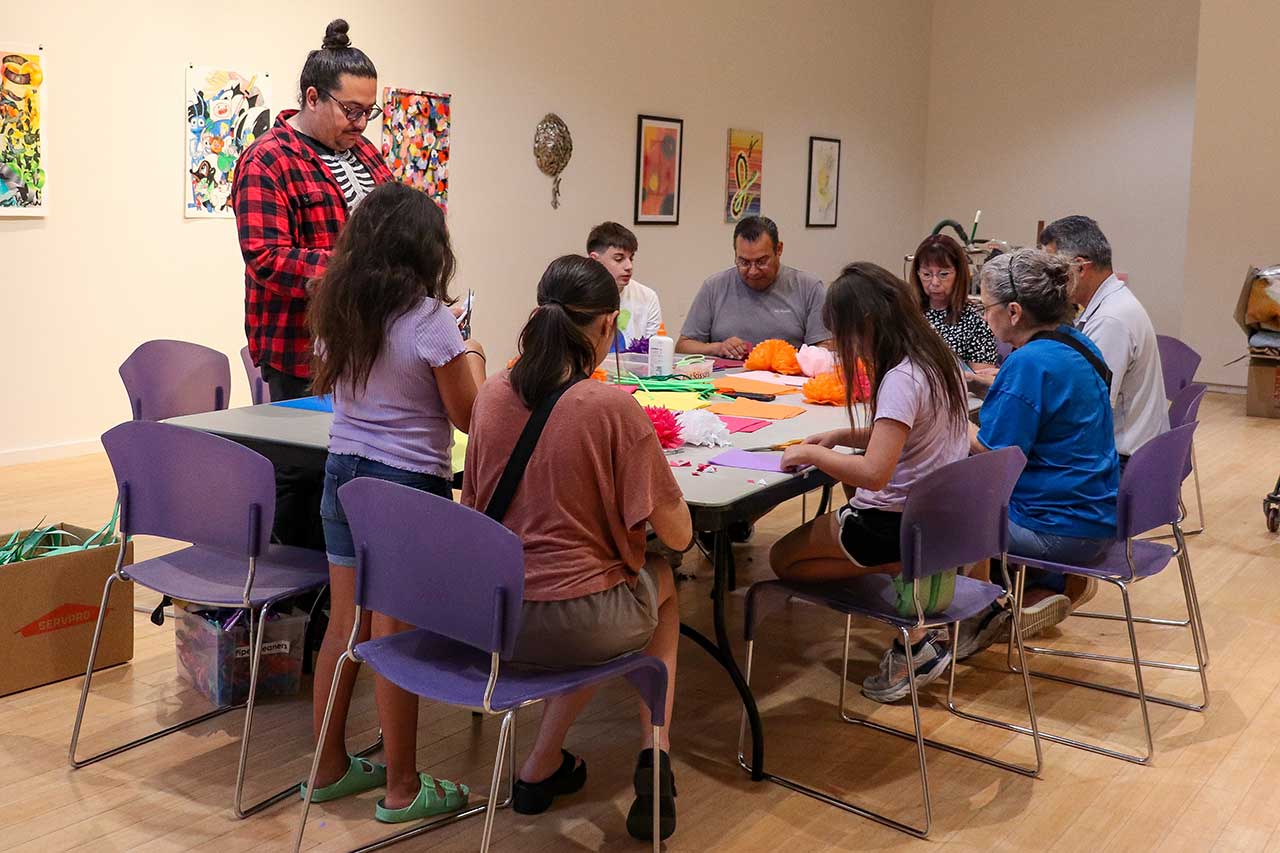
pixel 289 211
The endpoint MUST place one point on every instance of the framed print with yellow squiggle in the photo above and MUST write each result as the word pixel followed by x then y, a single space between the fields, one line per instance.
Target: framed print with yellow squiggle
pixel 824 182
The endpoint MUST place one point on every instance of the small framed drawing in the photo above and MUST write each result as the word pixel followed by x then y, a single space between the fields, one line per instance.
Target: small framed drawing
pixel 658 150
pixel 823 197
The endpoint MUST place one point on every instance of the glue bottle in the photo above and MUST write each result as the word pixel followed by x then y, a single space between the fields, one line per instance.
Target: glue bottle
pixel 662 353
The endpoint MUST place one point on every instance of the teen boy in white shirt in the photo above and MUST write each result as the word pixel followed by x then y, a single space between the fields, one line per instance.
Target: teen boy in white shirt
pixel 615 246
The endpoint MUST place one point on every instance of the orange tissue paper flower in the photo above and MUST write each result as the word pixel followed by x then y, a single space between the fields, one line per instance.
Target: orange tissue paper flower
pixel 666 426
pixel 828 388
pixel 776 355
pixel 825 389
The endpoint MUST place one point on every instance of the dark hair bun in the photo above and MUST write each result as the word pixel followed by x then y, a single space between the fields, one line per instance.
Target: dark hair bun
pixel 335 35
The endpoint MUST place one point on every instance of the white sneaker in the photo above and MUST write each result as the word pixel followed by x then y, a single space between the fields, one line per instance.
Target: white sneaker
pixel 891 683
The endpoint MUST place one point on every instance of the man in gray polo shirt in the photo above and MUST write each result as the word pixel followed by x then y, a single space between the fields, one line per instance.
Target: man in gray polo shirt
pixel 755 300
pixel 1115 320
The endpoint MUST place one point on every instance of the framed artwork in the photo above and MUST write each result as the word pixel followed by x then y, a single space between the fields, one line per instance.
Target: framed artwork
pixel 415 140
pixel 743 174
pixel 23 103
pixel 658 150
pixel 226 111
pixel 823 196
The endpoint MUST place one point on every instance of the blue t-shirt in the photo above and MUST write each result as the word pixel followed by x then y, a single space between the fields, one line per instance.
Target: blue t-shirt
pixel 1050 402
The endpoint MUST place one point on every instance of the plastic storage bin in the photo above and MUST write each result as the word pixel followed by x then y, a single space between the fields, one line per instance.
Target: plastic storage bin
pixel 215 660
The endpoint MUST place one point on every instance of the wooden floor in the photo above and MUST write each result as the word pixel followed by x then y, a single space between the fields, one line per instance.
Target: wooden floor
pixel 1214 783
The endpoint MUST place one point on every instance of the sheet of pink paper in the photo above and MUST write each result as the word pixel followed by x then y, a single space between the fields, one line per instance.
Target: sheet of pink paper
pixel 770 376
pixel 725 363
pixel 736 424
pixel 768 461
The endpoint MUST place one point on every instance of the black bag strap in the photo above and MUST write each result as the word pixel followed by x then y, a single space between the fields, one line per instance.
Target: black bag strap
pixel 505 491
pixel 1096 363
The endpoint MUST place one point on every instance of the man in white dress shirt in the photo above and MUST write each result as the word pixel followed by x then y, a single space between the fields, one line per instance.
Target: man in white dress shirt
pixel 615 246
pixel 1116 322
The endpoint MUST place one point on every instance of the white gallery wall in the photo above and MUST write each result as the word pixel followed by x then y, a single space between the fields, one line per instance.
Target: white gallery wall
pixel 1040 110
pixel 115 263
pixel 1155 116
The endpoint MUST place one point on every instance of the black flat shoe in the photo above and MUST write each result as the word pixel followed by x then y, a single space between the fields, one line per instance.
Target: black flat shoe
pixel 640 818
pixel 536 797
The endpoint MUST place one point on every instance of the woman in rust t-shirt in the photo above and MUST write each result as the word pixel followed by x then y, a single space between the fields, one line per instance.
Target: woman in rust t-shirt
pixel 596 477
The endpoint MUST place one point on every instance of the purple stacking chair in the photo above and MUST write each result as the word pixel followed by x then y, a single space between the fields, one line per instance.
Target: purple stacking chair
pixel 165 379
pixel 258 389
pixel 954 516
pixel 1182 411
pixel 1148 499
pixel 467 571
pixel 219 496
pixel 1178 363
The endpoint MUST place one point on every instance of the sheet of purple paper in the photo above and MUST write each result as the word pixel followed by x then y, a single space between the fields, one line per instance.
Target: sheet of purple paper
pixel 725 363
pixel 750 461
pixel 736 424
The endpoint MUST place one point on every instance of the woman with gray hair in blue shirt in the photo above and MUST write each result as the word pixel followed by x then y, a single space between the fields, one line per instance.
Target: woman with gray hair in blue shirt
pixel 1051 398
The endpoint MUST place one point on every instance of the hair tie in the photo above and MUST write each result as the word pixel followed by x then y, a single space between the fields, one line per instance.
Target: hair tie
pixel 550 301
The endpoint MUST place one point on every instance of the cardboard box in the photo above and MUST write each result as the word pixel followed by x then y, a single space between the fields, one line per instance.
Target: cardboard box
pixel 1263 397
pixel 216 661
pixel 50 608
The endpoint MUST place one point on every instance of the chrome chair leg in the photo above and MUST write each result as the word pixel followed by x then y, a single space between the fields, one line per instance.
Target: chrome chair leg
pixel 657 789
pixel 256 635
pixel 1140 694
pixel 491 806
pixel 77 763
pixel 315 758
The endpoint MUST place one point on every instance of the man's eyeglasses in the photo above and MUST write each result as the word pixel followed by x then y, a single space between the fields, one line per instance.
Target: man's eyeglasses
pixel 354 112
pixel 759 263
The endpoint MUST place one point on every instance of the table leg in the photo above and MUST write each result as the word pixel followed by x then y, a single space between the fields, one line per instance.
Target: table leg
pixel 722 651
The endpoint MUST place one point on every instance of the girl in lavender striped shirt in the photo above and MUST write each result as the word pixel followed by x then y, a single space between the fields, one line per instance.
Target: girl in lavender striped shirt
pixel 389 351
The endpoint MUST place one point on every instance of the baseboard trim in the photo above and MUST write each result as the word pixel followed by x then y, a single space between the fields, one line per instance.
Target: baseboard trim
pixel 1238 390
pixel 48 452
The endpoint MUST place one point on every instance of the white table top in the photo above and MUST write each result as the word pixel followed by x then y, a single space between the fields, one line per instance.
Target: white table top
pixel 275 424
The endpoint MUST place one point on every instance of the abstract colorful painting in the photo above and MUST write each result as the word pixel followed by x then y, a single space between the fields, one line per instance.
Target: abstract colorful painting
pixel 658 150
pixel 226 112
pixel 415 140
pixel 743 174
pixel 824 182
pixel 22 102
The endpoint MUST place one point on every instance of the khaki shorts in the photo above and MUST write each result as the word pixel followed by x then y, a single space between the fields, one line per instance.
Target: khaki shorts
pixel 590 630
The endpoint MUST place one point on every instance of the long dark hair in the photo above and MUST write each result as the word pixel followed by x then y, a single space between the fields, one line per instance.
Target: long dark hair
pixel 554 342
pixel 324 67
pixel 942 251
pixel 871 316
pixel 393 253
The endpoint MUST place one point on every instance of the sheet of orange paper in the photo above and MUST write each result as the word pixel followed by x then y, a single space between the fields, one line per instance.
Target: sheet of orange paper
pixel 751 409
pixel 751 386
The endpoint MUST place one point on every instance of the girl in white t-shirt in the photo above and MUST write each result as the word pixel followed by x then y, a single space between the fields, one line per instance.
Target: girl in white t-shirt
pixel 919 422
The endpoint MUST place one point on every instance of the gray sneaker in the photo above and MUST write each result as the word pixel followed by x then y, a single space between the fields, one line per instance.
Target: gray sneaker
pixel 978 632
pixel 890 684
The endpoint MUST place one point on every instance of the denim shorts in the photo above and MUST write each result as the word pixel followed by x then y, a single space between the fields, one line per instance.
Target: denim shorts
pixel 1053 548
pixel 341 468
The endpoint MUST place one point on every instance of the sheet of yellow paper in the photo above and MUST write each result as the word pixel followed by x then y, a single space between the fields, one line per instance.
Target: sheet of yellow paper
pixel 459 450
pixel 752 386
pixel 676 401
pixel 753 409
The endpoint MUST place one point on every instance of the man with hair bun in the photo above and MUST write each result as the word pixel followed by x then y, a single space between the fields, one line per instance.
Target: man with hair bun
pixel 293 190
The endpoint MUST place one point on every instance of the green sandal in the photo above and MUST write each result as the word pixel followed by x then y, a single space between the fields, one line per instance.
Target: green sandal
pixel 428 803
pixel 361 776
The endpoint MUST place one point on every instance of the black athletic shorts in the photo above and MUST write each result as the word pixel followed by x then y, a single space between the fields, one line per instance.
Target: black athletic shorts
pixel 869 537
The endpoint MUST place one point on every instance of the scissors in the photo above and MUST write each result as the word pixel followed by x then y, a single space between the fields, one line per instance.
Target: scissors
pixel 783 446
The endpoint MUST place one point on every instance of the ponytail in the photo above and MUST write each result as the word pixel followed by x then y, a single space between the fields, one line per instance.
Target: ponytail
pixel 554 343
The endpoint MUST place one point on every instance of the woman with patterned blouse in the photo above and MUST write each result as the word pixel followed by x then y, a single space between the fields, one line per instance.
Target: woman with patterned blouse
pixel 940 280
